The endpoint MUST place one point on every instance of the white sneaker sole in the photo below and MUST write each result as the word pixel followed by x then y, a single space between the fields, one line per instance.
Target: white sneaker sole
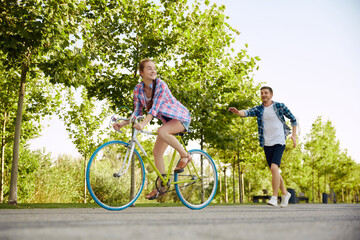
pixel 272 204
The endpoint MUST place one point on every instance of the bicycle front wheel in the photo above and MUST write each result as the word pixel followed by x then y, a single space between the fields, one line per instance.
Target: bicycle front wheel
pixel 115 181
pixel 197 185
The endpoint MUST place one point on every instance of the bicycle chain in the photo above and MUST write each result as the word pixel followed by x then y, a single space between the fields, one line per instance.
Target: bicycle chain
pixel 168 184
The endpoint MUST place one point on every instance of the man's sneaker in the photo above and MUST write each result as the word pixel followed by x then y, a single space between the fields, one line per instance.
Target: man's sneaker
pixel 273 201
pixel 285 200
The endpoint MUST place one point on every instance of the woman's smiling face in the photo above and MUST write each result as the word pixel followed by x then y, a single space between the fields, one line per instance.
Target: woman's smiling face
pixel 149 72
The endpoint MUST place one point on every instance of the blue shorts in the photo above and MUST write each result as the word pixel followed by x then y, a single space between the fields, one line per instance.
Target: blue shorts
pixel 274 154
pixel 185 124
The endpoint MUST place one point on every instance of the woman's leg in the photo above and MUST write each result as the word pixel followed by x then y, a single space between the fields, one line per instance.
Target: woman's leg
pixel 164 139
pixel 159 150
pixel 166 131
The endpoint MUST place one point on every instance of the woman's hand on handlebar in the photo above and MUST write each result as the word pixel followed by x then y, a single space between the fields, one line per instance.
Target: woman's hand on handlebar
pixel 139 126
pixel 119 125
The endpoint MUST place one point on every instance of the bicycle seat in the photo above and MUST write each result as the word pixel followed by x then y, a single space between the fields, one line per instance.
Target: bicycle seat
pixel 180 133
pixel 183 132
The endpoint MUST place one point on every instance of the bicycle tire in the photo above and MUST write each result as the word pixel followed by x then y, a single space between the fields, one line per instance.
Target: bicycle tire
pixel 197 194
pixel 109 191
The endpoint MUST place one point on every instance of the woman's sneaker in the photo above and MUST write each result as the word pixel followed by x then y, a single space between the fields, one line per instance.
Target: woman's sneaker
pixel 285 200
pixel 273 201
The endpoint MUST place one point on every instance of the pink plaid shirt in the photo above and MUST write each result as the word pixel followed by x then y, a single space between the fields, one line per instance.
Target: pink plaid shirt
pixel 164 103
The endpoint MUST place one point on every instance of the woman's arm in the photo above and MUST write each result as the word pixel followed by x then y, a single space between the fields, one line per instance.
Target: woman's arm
pixel 147 119
pixel 121 124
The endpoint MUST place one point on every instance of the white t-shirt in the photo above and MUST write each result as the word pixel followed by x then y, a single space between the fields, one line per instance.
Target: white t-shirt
pixel 273 128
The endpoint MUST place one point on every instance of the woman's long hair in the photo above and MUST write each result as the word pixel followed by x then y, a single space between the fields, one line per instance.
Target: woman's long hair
pixel 141 69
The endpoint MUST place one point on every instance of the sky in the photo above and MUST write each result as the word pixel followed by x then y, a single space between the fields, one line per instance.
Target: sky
pixel 310 56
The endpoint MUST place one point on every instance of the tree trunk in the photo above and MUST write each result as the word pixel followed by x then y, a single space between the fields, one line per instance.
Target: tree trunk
pixel 242 188
pixel 2 172
pixel 225 186
pixel 325 181
pixel 132 179
pixel 15 162
pixel 3 144
pixel 234 182
pixel 318 190
pixel 85 178
pixel 202 169
pixel 312 181
pixel 240 183
pixel 220 186
pixel 202 181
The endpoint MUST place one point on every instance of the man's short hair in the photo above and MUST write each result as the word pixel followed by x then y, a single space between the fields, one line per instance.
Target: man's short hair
pixel 268 88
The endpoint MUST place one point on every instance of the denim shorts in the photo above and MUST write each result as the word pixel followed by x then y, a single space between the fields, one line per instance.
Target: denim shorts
pixel 274 154
pixel 184 123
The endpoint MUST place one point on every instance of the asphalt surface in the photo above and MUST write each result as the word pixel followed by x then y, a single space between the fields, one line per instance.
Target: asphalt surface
pixel 248 222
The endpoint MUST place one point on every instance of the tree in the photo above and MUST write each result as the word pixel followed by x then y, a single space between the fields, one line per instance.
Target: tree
pixel 83 123
pixel 37 104
pixel 205 77
pixel 191 45
pixel 125 32
pixel 31 31
pixel 8 108
pixel 323 149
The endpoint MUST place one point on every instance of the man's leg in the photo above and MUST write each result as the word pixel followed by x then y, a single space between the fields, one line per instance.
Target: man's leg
pixel 269 153
pixel 282 186
pixel 276 178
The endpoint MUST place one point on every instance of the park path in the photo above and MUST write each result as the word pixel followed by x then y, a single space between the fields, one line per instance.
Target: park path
pixel 248 222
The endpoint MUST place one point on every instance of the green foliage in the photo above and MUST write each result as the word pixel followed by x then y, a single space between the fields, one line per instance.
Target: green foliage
pixel 32 31
pixel 59 181
pixel 37 104
pixel 83 121
pixel 98 44
pixel 327 163
pixel 125 32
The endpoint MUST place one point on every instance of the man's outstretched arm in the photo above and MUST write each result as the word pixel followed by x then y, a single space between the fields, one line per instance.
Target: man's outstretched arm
pixel 241 113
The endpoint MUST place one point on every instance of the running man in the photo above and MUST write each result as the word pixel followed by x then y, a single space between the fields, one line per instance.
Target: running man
pixel 272 130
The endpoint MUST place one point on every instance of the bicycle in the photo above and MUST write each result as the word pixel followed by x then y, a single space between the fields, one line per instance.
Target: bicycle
pixel 115 174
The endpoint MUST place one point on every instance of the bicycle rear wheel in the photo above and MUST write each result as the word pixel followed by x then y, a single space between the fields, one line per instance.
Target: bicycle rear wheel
pixel 106 187
pixel 201 180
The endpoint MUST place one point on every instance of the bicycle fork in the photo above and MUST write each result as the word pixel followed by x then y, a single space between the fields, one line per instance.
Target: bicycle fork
pixel 129 155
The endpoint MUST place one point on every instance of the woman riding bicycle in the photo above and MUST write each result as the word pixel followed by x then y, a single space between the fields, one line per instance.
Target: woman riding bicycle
pixel 154 93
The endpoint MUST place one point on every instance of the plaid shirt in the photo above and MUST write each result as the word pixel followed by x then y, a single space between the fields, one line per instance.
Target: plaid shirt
pixel 280 109
pixel 164 103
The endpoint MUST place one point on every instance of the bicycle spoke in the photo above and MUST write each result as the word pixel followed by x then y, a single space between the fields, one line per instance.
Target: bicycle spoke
pixel 115 181
pixel 197 194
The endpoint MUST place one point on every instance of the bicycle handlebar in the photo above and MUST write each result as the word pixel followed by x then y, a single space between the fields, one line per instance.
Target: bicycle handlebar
pixel 133 119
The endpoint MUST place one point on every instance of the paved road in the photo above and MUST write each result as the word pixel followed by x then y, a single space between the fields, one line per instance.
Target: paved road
pixel 299 221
